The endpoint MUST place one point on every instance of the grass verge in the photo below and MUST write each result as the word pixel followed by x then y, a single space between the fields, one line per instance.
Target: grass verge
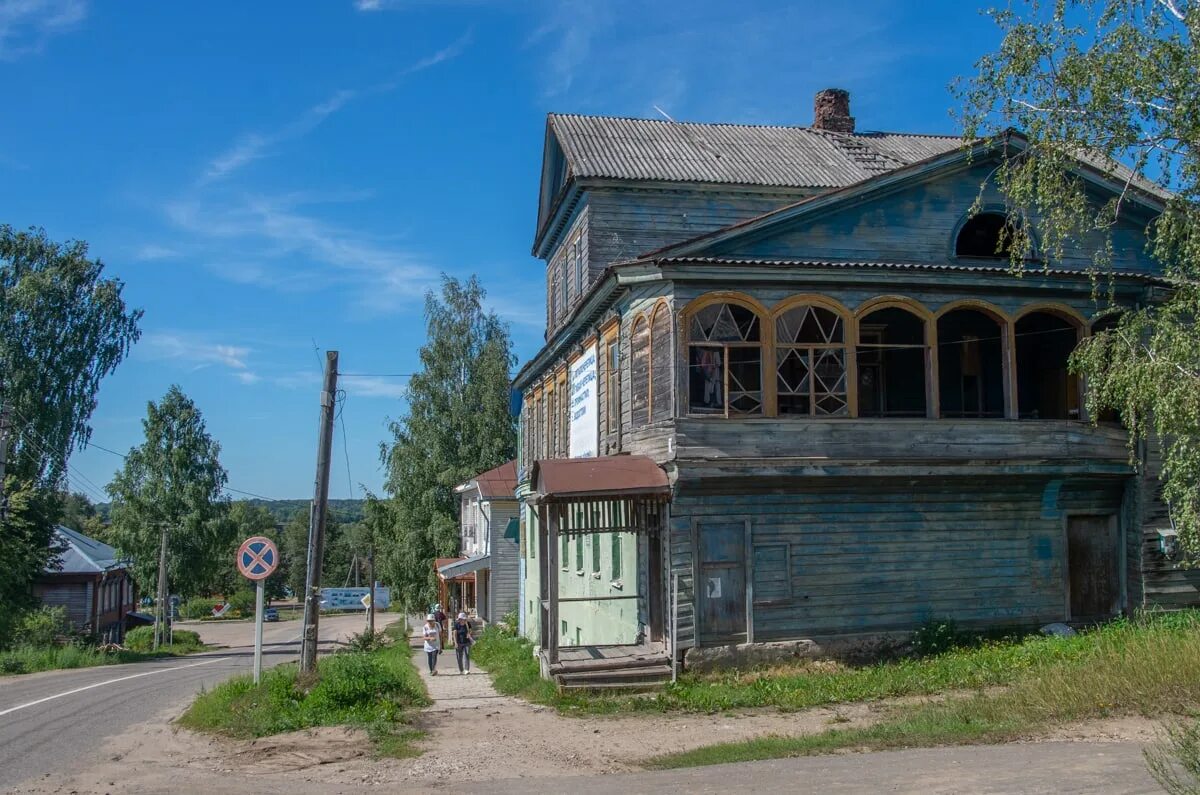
pixel 1149 667
pixel 376 690
pixel 31 659
pixel 788 687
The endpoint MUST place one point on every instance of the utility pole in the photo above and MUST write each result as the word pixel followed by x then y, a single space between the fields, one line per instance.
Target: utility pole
pixel 160 616
pixel 5 429
pixel 317 516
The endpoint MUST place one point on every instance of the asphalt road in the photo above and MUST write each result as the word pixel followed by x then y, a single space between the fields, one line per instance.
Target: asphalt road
pixel 57 721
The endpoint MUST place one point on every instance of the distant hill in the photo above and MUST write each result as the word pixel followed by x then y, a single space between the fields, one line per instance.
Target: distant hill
pixel 344 511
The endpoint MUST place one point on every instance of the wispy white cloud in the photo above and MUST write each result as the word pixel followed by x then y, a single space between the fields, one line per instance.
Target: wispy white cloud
pixel 26 25
pixel 154 251
pixel 285 246
pixel 374 387
pixel 254 146
pixel 194 351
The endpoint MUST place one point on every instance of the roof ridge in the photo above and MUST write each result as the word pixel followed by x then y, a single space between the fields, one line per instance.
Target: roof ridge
pixel 744 125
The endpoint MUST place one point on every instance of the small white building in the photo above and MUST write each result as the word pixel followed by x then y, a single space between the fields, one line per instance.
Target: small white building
pixel 485 579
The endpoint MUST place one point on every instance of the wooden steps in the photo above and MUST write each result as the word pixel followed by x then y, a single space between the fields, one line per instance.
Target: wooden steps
pixel 611 678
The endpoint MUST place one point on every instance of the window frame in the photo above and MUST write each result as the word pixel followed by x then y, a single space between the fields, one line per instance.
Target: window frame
pixel 783 349
pixel 762 344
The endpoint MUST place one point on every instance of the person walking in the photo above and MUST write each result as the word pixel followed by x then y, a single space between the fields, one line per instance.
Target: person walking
pixel 433 642
pixel 460 633
pixel 440 615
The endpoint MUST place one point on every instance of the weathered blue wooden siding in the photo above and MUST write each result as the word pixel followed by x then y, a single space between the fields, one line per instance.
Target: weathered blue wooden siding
pixel 868 555
pixel 916 224
pixel 625 223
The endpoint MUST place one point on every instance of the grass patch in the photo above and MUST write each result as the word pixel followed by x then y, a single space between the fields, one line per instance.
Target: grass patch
pixel 31 659
pixel 376 690
pixel 1149 667
pixel 787 687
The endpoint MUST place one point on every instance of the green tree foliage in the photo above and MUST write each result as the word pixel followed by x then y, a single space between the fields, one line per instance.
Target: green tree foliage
pixel 293 553
pixel 247 519
pixel 457 425
pixel 78 513
pixel 175 477
pixel 63 328
pixel 1112 81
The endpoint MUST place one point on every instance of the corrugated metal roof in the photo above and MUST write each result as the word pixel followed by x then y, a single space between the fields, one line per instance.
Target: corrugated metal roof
pixel 736 154
pixel 1033 269
pixel 498 483
pixel 81 554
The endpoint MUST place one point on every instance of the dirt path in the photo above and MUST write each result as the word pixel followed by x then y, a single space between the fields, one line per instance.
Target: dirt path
pixel 474 736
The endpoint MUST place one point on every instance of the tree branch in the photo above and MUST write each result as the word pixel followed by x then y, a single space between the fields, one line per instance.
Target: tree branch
pixel 1173 8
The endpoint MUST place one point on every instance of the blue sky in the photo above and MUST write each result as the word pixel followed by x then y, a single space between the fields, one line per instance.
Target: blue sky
pixel 268 177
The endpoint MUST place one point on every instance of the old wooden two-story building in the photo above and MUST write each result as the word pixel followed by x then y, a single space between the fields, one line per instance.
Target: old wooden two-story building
pixel 791 390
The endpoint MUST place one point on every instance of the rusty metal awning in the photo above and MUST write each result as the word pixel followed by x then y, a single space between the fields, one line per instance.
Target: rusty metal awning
pixel 574 479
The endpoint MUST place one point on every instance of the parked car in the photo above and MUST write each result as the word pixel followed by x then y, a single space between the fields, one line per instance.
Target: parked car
pixel 270 614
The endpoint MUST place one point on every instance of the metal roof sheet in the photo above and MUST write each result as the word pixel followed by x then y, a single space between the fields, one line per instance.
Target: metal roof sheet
pixel 499 483
pixel 741 154
pixel 924 266
pixel 81 554
pixel 561 478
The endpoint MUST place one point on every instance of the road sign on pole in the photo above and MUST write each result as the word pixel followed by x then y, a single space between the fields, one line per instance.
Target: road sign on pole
pixel 257 558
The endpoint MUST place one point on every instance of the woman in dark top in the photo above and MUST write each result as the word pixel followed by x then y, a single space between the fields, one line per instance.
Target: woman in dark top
pixel 460 633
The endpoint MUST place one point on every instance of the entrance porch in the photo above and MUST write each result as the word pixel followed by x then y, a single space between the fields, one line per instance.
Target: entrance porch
pixel 592 510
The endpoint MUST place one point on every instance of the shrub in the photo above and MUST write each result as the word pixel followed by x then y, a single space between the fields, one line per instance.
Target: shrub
pixel 936 637
pixel 242 602
pixel 367 641
pixel 140 639
pixel 42 627
pixel 195 609
pixel 509 623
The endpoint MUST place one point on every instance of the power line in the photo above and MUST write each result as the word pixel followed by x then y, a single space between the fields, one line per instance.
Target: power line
pixel 82 482
pixel 376 375
pixel 345 441
pixel 225 488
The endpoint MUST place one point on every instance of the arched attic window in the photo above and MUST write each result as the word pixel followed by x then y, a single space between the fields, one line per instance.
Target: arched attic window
pixel 987 235
pixel 725 360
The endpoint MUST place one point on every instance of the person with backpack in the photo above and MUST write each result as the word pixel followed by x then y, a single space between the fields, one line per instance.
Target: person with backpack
pixel 460 633
pixel 432 633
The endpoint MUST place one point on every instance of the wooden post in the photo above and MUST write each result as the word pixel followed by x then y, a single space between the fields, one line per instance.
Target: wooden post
pixel 933 398
pixel 1009 352
pixel 317 517
pixel 552 567
pixel 748 573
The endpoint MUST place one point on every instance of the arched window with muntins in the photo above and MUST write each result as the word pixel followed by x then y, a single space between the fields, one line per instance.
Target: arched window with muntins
pixel 660 364
pixel 988 235
pixel 725 361
pixel 810 362
pixel 639 372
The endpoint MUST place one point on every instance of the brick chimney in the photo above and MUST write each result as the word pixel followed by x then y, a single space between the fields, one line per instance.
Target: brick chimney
pixel 831 111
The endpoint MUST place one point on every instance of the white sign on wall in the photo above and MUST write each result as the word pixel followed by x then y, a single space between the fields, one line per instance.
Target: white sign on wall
pixel 585 411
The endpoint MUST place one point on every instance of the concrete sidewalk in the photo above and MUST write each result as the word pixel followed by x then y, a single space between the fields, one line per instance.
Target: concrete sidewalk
pixel 450 690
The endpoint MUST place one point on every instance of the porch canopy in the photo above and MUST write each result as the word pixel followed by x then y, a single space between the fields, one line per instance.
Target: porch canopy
pixel 463 566
pixel 612 494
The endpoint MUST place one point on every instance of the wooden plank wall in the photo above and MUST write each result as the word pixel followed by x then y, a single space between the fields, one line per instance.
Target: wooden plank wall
pixel 898 439
pixel 628 222
pixel 877 555
pixel 1165 584
pixel 504 586
pixel 916 224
